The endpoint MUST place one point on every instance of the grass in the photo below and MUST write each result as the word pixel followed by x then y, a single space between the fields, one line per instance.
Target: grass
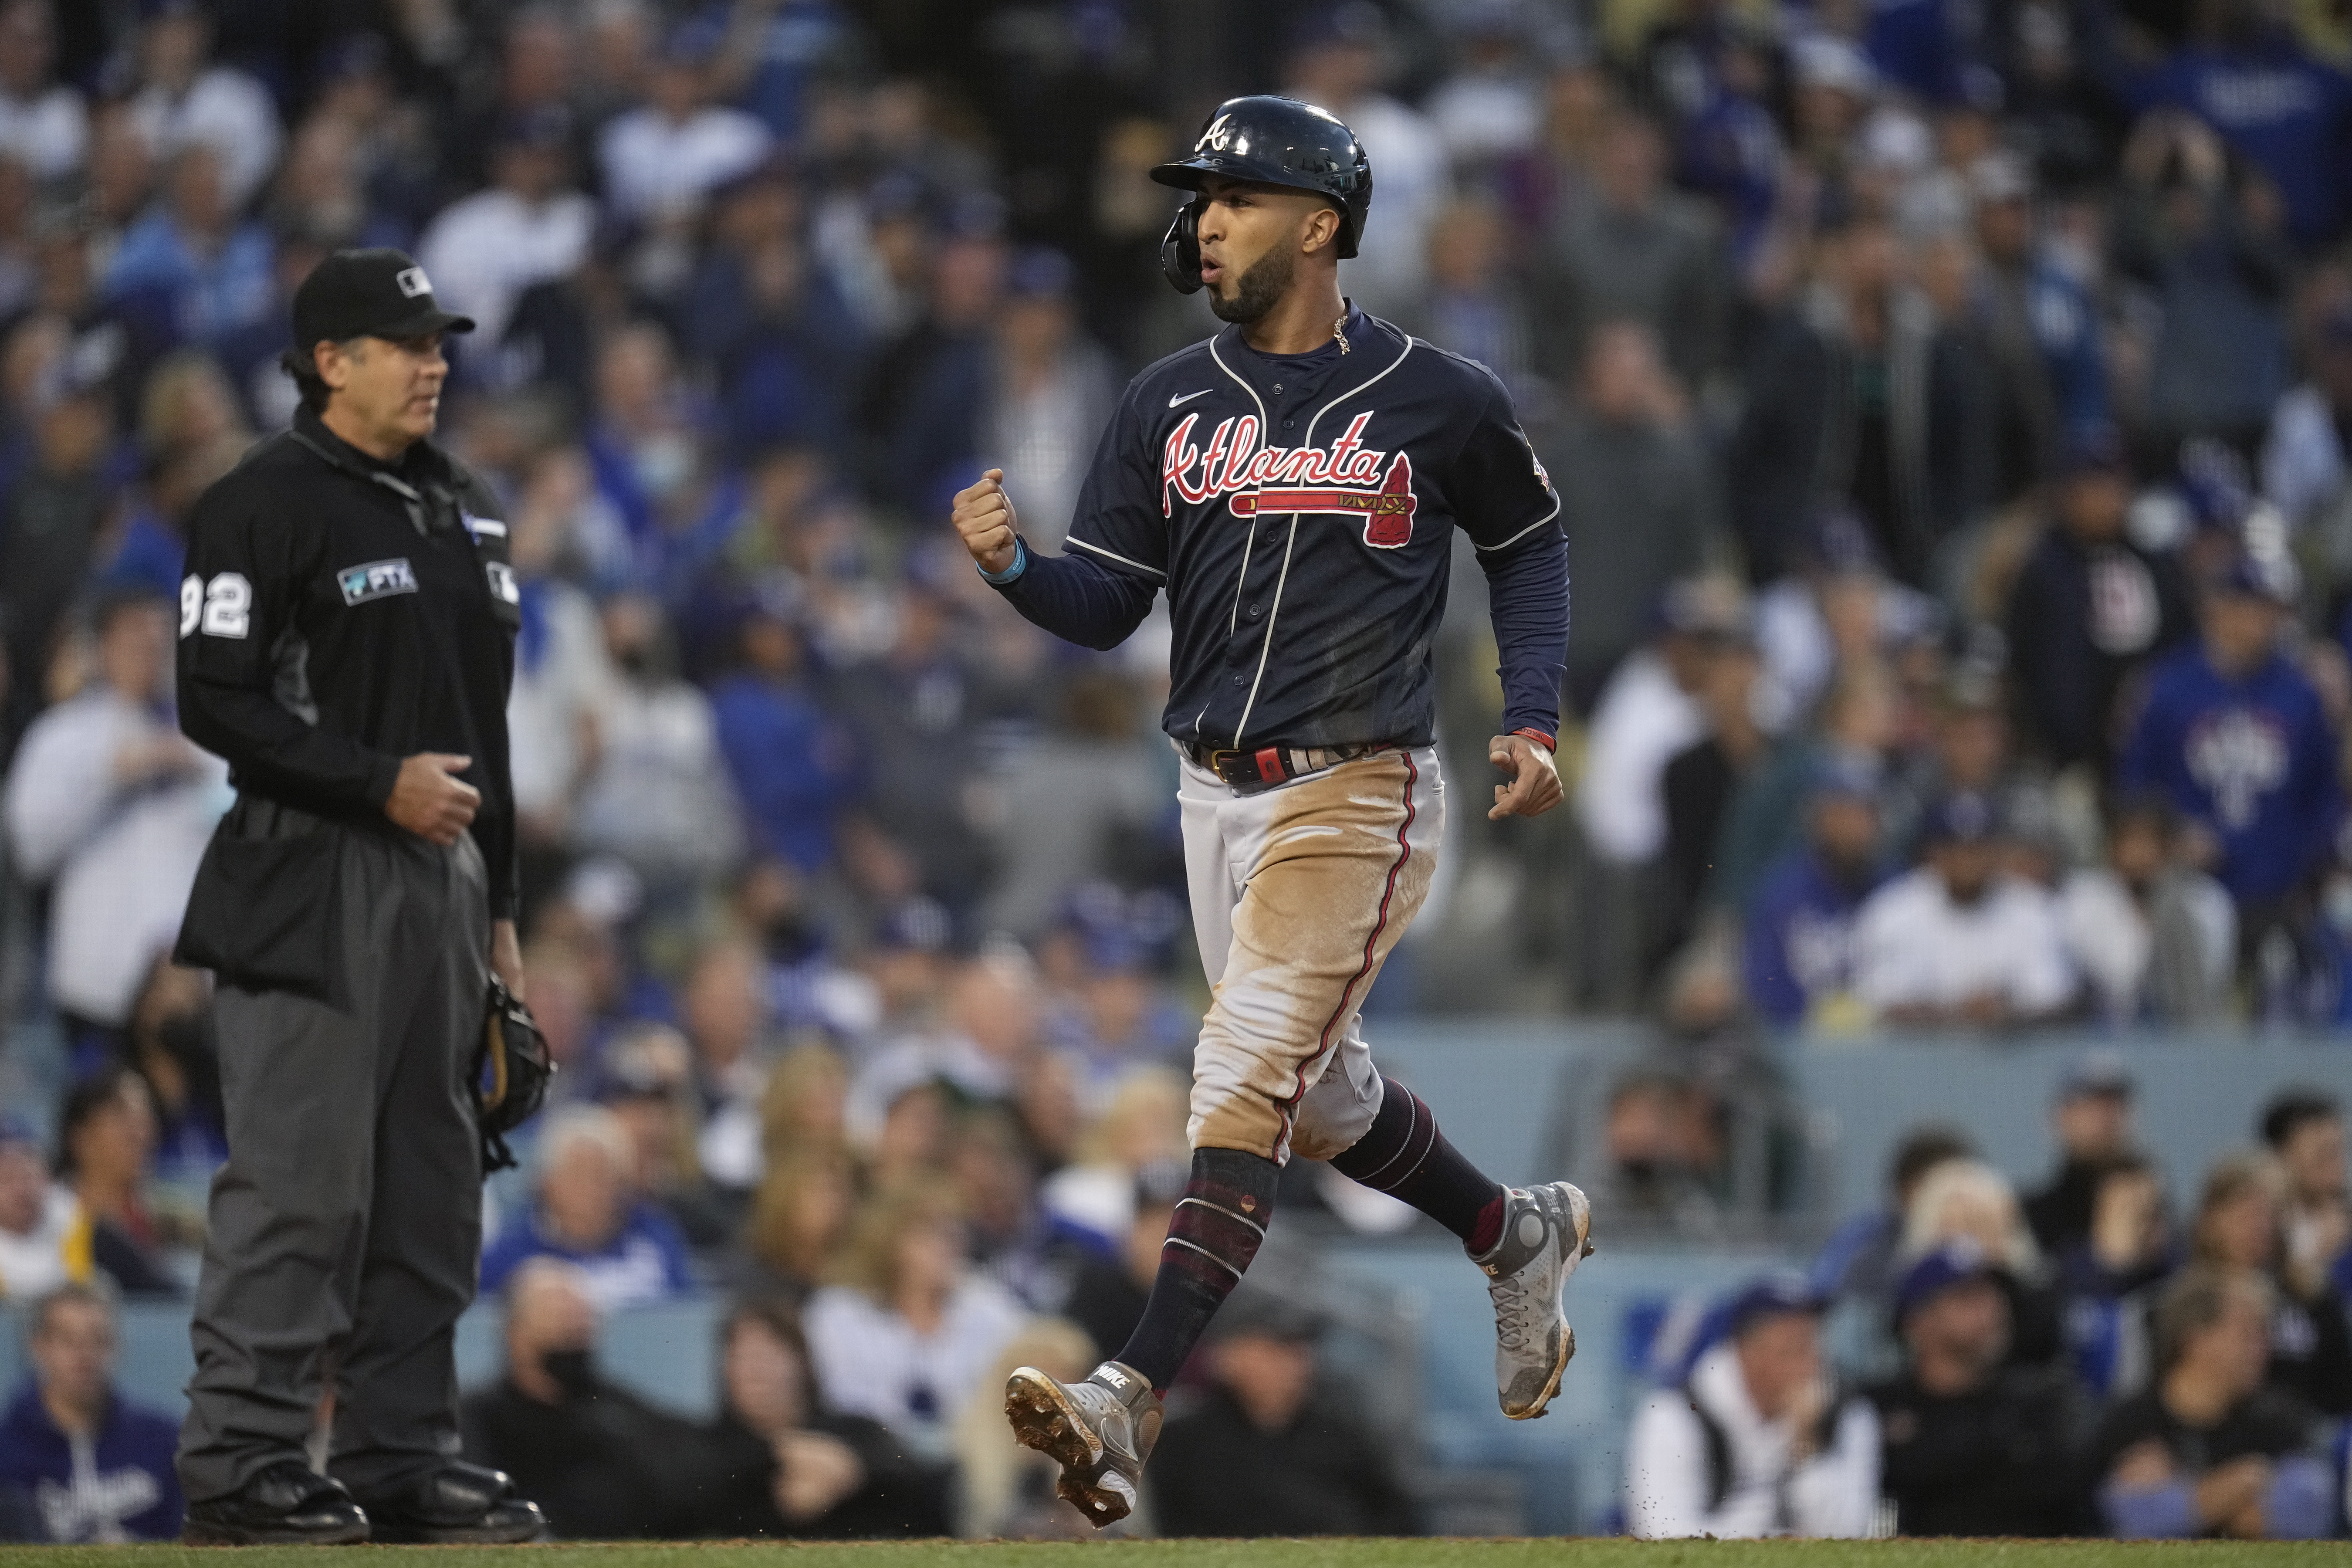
pixel 1238 1555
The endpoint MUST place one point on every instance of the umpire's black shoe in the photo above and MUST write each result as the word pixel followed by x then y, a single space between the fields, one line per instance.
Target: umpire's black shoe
pixel 287 1504
pixel 457 1505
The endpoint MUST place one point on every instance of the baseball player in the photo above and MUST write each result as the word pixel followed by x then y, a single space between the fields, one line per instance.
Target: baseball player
pixel 1293 485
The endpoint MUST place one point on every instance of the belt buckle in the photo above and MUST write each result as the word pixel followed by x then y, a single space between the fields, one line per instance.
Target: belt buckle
pixel 1218 761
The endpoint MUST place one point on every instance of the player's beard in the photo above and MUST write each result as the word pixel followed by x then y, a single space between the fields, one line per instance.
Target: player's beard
pixel 1259 289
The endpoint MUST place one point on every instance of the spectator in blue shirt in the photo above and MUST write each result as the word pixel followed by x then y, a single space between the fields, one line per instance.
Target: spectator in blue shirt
pixel 2235 735
pixel 189 271
pixel 2280 110
pixel 1799 939
pixel 588 1215
pixel 790 763
pixel 95 1467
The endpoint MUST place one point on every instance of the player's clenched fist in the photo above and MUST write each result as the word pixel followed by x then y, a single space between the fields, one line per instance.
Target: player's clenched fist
pixel 983 516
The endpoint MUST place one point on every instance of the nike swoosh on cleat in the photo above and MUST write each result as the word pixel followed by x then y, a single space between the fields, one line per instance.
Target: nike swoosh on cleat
pixel 1175 402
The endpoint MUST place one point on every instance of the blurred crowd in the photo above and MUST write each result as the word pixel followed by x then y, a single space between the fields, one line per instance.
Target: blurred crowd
pixel 1951 407
pixel 2081 1358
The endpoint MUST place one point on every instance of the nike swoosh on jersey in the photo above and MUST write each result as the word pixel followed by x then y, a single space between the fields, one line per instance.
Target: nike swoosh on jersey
pixel 1178 402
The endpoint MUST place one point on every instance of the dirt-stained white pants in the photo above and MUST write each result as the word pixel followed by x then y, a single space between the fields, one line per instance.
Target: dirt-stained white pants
pixel 1298 894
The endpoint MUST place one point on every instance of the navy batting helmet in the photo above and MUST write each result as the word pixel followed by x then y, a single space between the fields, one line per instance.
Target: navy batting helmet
pixel 1269 142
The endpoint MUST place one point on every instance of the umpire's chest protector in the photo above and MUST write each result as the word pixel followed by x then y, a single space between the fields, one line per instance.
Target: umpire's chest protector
pixel 1300 512
pixel 337 616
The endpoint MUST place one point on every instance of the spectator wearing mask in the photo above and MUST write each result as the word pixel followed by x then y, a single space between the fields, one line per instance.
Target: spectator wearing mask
pixel 2241 1224
pixel 2237 738
pixel 1973 1446
pixel 2305 1130
pixel 1957 941
pixel 1757 1443
pixel 603 1464
pixel 1639 497
pixel 906 1336
pixel 2092 1118
pixel 777 1466
pixel 1272 1448
pixel 106 1147
pixel 1799 964
pixel 2090 608
pixel 40 1223
pixel 625 1250
pixel 111 807
pixel 2155 939
pixel 97 1467
pixel 2209 1450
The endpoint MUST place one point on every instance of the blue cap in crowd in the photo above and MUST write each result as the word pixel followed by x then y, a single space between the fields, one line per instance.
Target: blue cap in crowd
pixel 2099 1071
pixel 1849 775
pixel 1963 818
pixel 1956 1262
pixel 2095 449
pixel 1774 1294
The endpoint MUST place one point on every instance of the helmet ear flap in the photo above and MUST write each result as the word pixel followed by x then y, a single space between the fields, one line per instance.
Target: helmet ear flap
pixel 1179 251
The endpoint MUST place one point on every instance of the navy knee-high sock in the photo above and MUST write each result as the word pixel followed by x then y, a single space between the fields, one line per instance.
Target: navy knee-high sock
pixel 1215 1232
pixel 1407 1157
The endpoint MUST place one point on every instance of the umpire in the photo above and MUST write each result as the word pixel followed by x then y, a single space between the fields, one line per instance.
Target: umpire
pixel 347 635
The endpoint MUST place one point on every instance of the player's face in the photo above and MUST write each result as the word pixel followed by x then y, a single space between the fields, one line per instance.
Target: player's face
pixel 1250 239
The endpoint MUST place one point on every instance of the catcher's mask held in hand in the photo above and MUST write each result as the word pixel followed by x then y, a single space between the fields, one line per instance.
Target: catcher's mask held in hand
pixel 511 1073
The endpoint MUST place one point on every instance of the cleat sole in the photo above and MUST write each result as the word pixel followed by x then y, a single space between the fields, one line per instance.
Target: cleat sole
pixel 1042 1419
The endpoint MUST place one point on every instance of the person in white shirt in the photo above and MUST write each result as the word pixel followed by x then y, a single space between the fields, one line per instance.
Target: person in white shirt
pixel 43 1244
pixel 1340 62
pixel 108 802
pixel 1647 713
pixel 910 1339
pixel 662 159
pixel 1757 1442
pixel 528 225
pixel 43 124
pixel 2155 939
pixel 183 100
pixel 1957 941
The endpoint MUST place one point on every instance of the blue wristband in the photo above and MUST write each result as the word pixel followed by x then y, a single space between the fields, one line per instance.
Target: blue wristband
pixel 1012 573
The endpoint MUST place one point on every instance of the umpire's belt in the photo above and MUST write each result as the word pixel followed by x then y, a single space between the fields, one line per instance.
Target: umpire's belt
pixel 1270 765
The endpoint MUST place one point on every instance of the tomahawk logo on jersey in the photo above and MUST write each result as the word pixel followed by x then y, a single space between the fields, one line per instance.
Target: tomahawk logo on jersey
pixel 1299 511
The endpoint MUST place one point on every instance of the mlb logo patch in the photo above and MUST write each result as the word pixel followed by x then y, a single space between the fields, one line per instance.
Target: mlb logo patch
pixel 503 586
pixel 413 282
pixel 376 580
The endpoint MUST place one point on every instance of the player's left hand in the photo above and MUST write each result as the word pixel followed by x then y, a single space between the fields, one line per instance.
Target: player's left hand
pixel 1534 788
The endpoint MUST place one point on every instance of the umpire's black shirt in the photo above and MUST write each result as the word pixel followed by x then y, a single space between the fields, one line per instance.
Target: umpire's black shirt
pixel 340 614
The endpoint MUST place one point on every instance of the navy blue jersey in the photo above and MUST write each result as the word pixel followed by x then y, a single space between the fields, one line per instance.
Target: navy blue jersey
pixel 1300 513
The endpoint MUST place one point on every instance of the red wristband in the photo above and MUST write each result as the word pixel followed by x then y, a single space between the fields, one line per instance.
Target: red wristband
pixel 1548 743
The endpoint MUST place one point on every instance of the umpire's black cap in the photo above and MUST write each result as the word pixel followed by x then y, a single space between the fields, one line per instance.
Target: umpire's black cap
pixel 1281 142
pixel 378 293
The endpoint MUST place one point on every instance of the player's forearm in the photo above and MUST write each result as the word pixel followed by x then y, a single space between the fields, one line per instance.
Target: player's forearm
pixel 1079 600
pixel 273 751
pixel 1526 590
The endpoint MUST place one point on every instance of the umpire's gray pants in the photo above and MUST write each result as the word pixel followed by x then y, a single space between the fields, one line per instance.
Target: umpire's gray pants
pixel 345 1231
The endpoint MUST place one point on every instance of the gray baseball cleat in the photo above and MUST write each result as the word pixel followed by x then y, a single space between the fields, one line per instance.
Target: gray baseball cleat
pixel 1099 1431
pixel 1547 1232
